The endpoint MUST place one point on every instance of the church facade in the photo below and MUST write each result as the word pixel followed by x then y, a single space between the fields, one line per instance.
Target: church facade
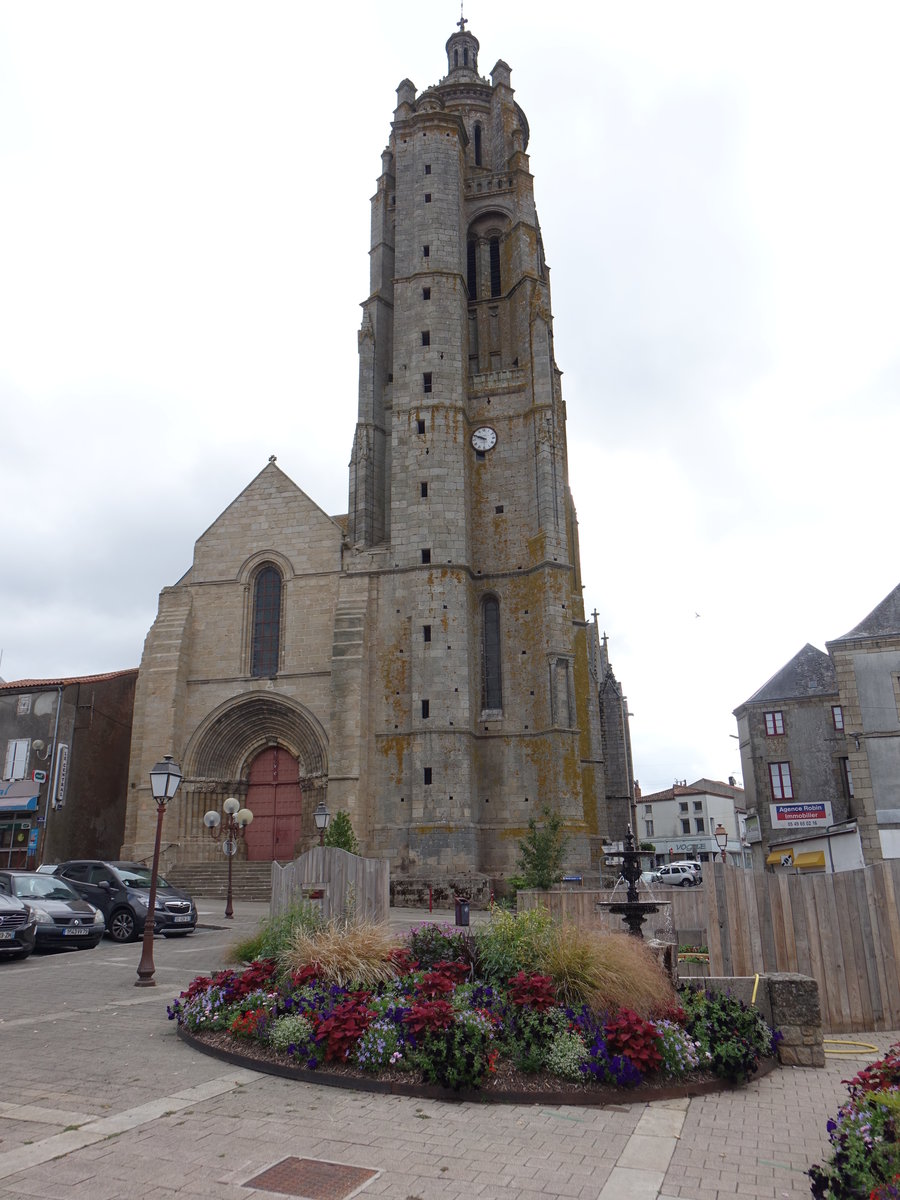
pixel 423 662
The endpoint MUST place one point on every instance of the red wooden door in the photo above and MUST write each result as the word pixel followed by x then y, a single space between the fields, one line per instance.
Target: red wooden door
pixel 275 799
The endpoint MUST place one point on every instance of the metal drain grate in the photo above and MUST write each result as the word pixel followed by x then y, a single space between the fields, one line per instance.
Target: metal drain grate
pixel 312 1179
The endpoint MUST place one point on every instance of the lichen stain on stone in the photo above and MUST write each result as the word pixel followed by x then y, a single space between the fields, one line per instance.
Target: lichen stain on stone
pixel 396 746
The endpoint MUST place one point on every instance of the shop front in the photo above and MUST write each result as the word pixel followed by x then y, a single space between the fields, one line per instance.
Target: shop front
pixel 18 822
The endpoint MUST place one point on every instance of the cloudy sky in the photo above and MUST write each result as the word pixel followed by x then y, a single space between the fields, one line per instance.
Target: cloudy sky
pixel 184 218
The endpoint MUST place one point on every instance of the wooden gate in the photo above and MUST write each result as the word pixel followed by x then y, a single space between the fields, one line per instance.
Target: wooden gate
pixel 276 801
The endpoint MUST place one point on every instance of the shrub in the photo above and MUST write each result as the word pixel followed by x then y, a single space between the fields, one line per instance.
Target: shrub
pixel 430 944
pixel 732 1036
pixel 379 1047
pixel 340 833
pixel 629 1034
pixel 566 1056
pixel 680 1053
pixel 606 971
pixel 601 1065
pixel 341 1031
pixel 429 1016
pixel 275 933
pixel 541 851
pixel 534 991
pixel 510 942
pixel 291 1034
pixel 866 1155
pixel 352 955
pixel 528 1034
pixel 458 1055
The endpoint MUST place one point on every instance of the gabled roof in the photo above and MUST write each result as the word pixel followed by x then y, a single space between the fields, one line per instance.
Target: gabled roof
pixel 700 787
pixel 20 685
pixel 882 621
pixel 809 673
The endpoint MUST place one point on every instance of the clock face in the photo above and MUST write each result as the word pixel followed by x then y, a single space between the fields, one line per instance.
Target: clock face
pixel 484 438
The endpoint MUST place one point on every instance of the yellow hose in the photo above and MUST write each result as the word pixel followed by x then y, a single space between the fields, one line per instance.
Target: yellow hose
pixel 867 1046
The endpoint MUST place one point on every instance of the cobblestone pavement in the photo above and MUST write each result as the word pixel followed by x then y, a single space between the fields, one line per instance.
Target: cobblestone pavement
pixel 100 1100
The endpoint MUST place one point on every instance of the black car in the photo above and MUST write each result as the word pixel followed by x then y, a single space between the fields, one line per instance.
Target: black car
pixel 63 918
pixel 121 890
pixel 17 922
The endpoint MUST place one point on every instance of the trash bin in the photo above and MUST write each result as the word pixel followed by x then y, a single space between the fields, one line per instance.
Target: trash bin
pixel 462 910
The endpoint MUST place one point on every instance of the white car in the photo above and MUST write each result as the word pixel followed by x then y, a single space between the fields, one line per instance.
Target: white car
pixel 681 874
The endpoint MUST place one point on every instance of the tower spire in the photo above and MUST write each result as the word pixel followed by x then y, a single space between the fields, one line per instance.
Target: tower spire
pixel 462 22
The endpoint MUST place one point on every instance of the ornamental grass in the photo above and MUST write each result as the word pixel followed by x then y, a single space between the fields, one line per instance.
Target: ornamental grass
pixel 605 971
pixel 347 955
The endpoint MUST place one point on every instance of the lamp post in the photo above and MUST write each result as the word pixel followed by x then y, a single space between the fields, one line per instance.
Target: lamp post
pixel 164 780
pixel 236 821
pixel 721 836
pixel 321 816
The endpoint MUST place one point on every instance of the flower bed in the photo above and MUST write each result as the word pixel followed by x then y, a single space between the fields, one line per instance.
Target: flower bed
pixel 443 1011
pixel 865 1136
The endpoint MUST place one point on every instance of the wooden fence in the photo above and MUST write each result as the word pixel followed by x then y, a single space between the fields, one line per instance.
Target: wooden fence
pixel 841 929
pixel 336 880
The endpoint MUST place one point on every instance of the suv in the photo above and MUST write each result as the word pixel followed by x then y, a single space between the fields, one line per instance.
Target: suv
pixel 121 890
pixel 681 874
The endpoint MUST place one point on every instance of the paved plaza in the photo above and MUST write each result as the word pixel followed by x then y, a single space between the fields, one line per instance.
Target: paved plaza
pixel 101 1101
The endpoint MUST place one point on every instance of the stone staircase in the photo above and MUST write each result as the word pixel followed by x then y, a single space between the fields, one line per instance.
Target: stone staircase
pixel 249 880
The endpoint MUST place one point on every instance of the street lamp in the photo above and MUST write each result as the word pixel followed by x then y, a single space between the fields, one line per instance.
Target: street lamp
pixel 721 836
pixel 321 816
pixel 236 821
pixel 164 780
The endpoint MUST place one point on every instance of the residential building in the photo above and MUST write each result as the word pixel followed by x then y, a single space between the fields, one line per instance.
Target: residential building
pixel 820 749
pixel 793 755
pixel 65 768
pixel 681 821
pixel 867 668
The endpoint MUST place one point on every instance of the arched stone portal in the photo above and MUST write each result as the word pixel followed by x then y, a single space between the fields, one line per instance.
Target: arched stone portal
pixel 259 745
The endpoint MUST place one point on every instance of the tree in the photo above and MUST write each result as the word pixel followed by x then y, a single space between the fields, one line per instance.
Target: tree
pixel 648 846
pixel 340 833
pixel 541 851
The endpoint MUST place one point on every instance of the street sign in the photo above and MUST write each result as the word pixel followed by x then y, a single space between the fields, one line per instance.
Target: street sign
pixel 229 847
pixel 39 776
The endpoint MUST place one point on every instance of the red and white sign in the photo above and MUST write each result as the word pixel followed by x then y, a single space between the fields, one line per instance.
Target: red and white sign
pixel 815 815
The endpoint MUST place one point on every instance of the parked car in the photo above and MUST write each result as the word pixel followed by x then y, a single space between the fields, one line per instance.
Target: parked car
pixel 121 890
pixel 649 877
pixel 17 926
pixel 63 918
pixel 681 874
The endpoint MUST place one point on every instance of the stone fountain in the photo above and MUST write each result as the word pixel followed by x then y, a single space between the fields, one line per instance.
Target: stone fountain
pixel 633 911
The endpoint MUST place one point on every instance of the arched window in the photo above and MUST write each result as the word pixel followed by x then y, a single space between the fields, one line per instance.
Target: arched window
pixel 477 144
pixel 492 691
pixel 495 266
pixel 266 622
pixel 472 269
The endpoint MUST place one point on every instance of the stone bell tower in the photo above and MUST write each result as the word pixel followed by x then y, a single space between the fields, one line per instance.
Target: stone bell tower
pixel 476 667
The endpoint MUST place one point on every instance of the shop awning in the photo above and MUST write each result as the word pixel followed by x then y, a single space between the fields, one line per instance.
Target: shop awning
pixel 775 856
pixel 811 860
pixel 21 795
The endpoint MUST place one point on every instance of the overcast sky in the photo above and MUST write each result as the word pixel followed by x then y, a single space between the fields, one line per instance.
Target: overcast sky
pixel 184 215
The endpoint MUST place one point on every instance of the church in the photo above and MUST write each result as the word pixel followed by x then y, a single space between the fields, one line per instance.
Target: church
pixel 423 662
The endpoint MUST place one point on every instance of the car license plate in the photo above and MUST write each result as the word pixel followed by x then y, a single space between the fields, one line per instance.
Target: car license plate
pixel 6 935
pixel 183 920
pixel 73 932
